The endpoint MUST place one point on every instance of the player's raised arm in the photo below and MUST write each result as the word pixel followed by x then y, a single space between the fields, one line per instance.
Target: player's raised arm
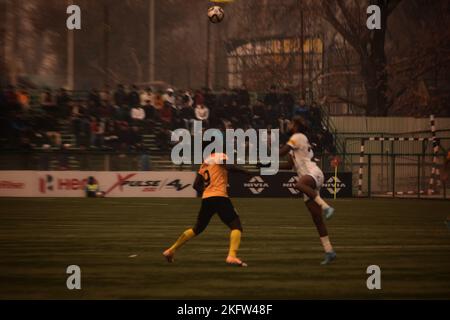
pixel 284 150
pixel 287 165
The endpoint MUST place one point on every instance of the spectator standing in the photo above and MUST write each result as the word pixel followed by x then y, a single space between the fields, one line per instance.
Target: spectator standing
pixel 136 142
pixel 23 98
pixel 63 103
pixel 243 96
pixel 315 115
pixel 111 139
pixel 94 99
pixel 48 102
pixel 120 96
pixel 133 97
pixel 300 109
pixel 287 103
pixel 271 99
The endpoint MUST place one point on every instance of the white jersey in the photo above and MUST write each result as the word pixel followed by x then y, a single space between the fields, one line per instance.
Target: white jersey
pixel 302 156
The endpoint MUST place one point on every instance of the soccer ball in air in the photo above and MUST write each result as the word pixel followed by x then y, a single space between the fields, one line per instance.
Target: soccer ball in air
pixel 216 14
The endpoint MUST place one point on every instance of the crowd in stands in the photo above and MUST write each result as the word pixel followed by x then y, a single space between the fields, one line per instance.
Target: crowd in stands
pixel 117 119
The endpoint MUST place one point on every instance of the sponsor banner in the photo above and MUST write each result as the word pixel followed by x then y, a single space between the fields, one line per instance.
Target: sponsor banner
pixel 17 183
pixel 343 185
pixel 156 184
pixel 63 183
pixel 114 184
pixel 149 184
pixel 283 185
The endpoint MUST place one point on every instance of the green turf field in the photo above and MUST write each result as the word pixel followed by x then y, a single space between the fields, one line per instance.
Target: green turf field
pixel 39 238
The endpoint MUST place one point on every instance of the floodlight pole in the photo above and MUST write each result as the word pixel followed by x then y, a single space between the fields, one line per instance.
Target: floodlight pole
pixel 208 43
pixel 151 40
pixel 302 67
pixel 70 82
pixel 106 28
pixel 3 23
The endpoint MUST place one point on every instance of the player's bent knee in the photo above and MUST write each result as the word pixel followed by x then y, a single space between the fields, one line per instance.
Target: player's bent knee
pixel 236 225
pixel 198 229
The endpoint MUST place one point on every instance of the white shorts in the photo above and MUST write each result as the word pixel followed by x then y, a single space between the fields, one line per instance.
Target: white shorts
pixel 316 174
pixel 318 177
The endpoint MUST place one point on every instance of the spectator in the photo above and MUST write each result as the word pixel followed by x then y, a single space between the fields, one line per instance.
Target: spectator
pixel 11 99
pixel 145 161
pixel 158 101
pixel 187 98
pixel 163 138
pixel 23 99
pixel 187 114
pixel 75 120
pixel 136 139
pixel 166 113
pixel 245 115
pixel 110 138
pixel 97 132
pixel 283 123
pixel 327 141
pixel 150 112
pixel 210 98
pixel 271 99
pixel 123 136
pixel 287 103
pixel 259 115
pixel 105 96
pixel 63 158
pixel 84 137
pixel 94 99
pixel 133 97
pixel 137 114
pixel 223 98
pixel 272 116
pixel 51 129
pixel 48 102
pixel 169 97
pixel 315 115
pixel 198 98
pixel 146 97
pixel 300 109
pixel 202 114
pixel 243 97
pixel 120 96
pixel 63 103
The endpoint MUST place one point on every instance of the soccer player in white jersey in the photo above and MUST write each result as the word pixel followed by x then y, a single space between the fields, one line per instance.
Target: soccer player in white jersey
pixel 310 180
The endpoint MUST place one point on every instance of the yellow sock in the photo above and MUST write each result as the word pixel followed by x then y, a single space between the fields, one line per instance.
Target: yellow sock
pixel 235 241
pixel 185 236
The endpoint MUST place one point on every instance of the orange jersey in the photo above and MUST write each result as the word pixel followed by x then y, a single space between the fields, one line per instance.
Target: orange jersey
pixel 216 180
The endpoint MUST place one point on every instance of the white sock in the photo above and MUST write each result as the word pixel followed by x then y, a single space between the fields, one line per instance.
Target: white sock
pixel 321 203
pixel 326 244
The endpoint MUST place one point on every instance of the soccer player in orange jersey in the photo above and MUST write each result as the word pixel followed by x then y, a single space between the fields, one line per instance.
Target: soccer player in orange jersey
pixel 212 182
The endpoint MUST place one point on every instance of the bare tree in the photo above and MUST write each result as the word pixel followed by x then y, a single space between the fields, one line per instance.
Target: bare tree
pixel 348 18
